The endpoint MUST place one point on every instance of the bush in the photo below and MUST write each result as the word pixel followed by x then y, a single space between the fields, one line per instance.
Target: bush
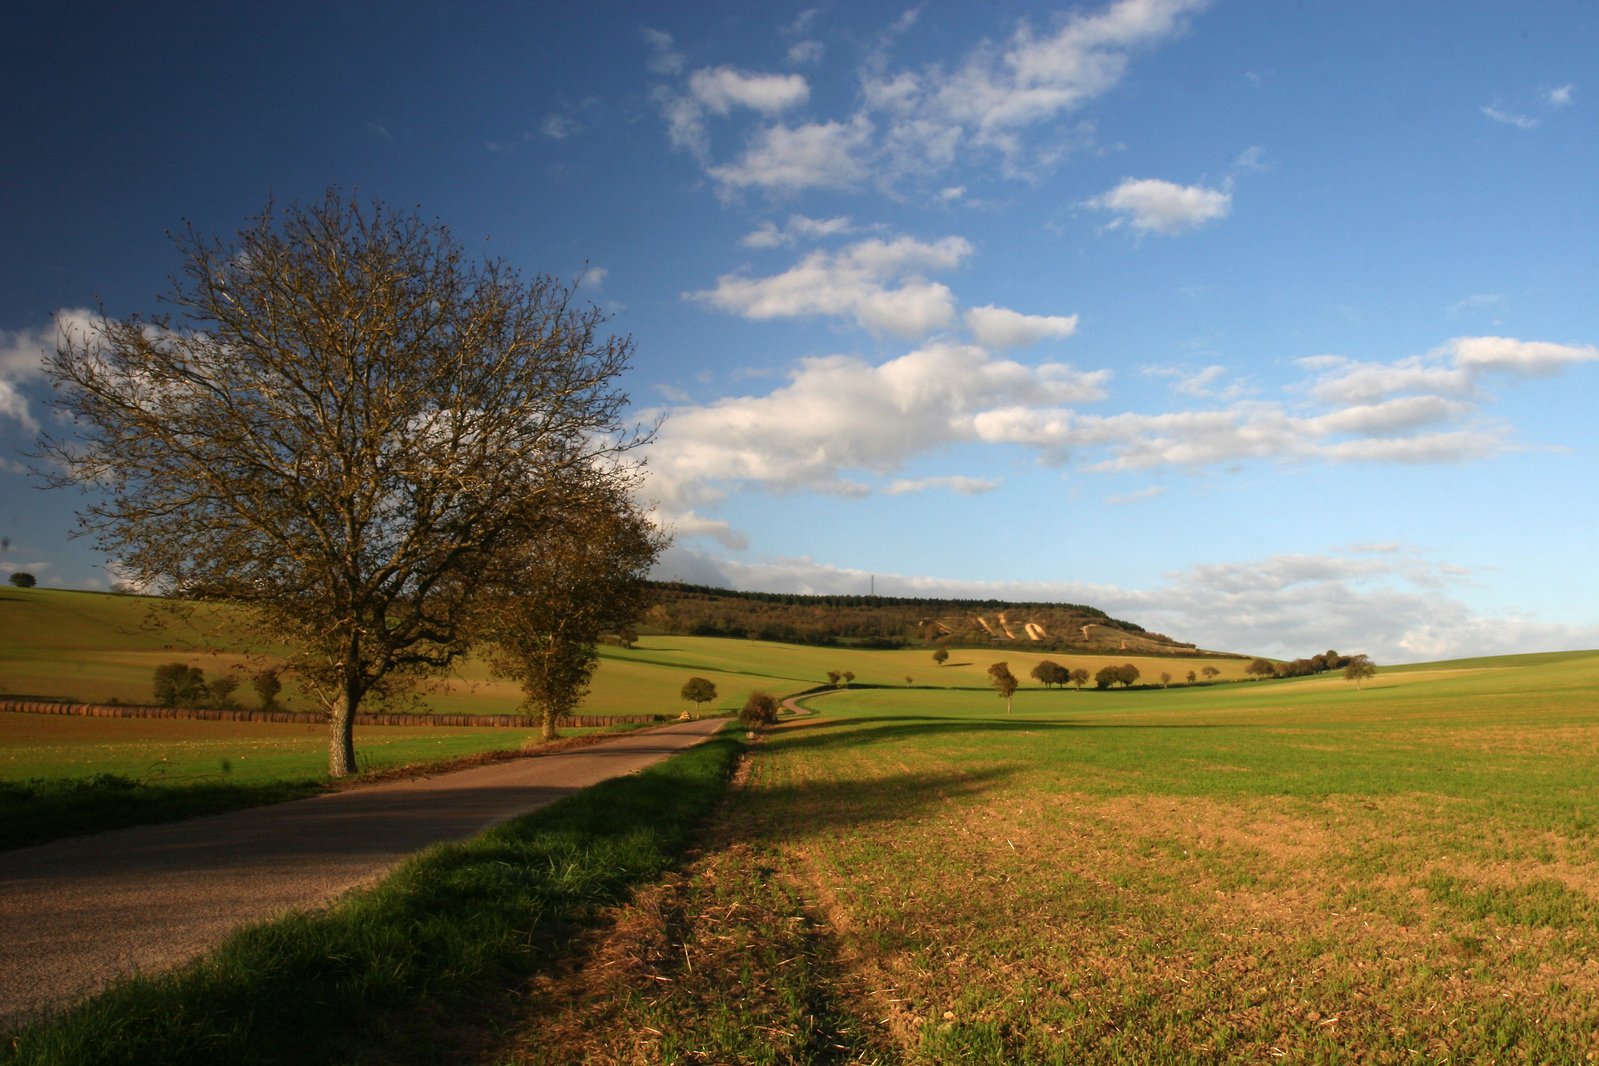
pixel 760 709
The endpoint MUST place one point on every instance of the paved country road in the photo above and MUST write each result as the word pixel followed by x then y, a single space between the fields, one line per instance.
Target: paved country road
pixel 77 913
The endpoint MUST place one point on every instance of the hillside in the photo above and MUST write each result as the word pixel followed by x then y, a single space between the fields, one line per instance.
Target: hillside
pixel 895 622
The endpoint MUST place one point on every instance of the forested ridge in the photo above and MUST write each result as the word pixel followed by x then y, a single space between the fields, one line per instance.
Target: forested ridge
pixel 893 621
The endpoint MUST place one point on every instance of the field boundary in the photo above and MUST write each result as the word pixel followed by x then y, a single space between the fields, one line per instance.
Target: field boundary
pixel 236 714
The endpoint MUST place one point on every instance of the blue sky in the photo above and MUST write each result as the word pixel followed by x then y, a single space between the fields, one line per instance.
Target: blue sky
pixel 1271 326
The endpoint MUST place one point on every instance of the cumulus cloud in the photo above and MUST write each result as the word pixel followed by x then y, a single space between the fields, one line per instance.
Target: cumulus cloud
pixel 914 122
pixel 720 89
pixel 813 155
pixel 1151 205
pixel 798 227
pixel 22 355
pixel 878 283
pixel 840 422
pixel 1560 96
pixel 961 485
pixel 1000 327
pixel 839 415
pixel 1456 368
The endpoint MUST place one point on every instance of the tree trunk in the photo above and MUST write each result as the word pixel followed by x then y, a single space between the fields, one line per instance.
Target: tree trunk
pixel 547 725
pixel 341 727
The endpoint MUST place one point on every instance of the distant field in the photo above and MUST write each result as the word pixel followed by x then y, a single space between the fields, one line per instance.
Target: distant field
pixel 1241 873
pixel 94 648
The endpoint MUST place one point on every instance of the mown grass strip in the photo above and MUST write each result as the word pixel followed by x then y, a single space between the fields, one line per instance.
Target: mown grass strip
pixel 392 974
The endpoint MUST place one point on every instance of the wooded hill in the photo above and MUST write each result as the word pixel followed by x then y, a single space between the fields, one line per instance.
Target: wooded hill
pixel 895 622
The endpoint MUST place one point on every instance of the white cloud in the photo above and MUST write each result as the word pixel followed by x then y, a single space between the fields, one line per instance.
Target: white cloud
pixel 664 58
pixel 1510 118
pixel 1204 383
pixel 22 355
pixel 1155 206
pixel 1527 358
pixel 805 53
pixel 720 89
pixel 964 486
pixel 912 124
pixel 1000 327
pixel 1559 97
pixel 839 413
pixel 814 155
pixel 876 282
pixel 798 227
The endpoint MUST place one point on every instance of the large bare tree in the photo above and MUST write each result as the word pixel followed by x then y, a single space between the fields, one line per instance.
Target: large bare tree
pixel 347 423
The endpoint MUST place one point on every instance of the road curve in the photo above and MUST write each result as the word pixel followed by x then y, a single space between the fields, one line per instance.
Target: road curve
pixel 76 914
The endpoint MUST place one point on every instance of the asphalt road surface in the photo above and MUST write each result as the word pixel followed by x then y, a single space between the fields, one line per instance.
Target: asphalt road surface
pixel 75 914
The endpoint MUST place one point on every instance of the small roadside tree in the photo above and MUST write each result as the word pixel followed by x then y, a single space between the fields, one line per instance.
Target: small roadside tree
pixel 346 425
pixel 1127 673
pixel 1192 677
pixel 1358 669
pixel 543 619
pixel 1106 676
pixel 699 691
pixel 23 580
pixel 1211 673
pixel 760 709
pixel 833 678
pixel 1004 683
pixel 1165 679
pixel 941 657
pixel 1079 677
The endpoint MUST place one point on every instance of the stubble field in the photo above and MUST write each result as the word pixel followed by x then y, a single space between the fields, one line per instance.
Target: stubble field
pixel 1288 871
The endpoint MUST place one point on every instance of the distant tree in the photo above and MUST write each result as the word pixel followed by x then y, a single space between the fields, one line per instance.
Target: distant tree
pixel 1358 668
pixel 1261 668
pixel 222 689
pixel 1165 679
pixel 941 656
pixel 760 709
pixel 1049 673
pixel 699 691
pixel 1079 678
pixel 833 677
pixel 267 685
pixel 23 580
pixel 909 681
pixel 849 678
pixel 180 685
pixel 1211 673
pixel 1004 682
pixel 1106 676
pixel 1192 677
pixel 346 422
pixel 1127 673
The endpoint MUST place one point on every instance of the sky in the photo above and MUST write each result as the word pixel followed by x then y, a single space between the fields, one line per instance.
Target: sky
pixel 1270 326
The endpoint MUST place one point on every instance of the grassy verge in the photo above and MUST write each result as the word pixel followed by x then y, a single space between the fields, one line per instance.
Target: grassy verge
pixel 401 973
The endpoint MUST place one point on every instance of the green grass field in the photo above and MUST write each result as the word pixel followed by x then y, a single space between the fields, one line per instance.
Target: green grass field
pixel 1294 870
pixel 1290 870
